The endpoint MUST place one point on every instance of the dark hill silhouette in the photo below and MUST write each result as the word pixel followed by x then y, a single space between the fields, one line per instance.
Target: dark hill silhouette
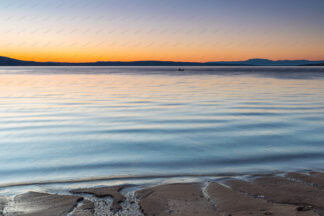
pixel 320 64
pixel 267 62
pixel 5 61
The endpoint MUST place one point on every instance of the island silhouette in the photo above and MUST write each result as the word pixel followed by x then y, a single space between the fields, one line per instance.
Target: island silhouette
pixel 6 61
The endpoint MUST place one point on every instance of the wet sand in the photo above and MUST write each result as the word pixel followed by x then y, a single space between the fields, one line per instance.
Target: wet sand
pixel 3 203
pixel 291 194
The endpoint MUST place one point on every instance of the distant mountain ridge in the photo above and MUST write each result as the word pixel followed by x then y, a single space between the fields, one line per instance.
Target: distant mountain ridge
pixel 5 61
pixel 267 62
pixel 319 64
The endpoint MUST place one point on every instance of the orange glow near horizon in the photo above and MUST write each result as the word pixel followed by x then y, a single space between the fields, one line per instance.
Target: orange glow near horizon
pixel 167 48
pixel 163 54
pixel 87 58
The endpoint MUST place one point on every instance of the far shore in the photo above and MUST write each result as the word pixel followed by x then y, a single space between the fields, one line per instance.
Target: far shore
pixel 6 61
pixel 282 194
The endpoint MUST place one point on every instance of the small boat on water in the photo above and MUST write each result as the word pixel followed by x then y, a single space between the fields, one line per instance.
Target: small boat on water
pixel 180 69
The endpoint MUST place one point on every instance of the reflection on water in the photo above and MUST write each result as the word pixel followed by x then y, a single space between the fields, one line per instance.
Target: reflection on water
pixel 70 123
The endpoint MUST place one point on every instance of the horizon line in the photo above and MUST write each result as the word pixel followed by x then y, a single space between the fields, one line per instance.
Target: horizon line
pixel 214 61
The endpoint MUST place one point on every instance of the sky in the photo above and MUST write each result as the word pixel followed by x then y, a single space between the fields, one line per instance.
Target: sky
pixel 169 30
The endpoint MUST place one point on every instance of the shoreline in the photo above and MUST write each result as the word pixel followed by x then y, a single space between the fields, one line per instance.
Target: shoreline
pixel 134 177
pixel 293 193
pixel 148 177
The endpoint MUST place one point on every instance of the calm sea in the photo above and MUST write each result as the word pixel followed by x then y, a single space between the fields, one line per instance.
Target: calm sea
pixel 60 123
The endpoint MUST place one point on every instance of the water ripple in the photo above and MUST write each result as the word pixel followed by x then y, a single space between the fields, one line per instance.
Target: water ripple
pixel 71 123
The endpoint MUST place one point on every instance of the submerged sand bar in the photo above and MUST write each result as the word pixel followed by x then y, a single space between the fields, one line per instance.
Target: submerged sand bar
pixel 291 194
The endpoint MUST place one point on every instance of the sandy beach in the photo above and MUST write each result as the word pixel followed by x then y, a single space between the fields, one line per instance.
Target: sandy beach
pixel 295 194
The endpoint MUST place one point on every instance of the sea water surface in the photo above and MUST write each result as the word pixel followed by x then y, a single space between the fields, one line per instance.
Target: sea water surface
pixel 70 123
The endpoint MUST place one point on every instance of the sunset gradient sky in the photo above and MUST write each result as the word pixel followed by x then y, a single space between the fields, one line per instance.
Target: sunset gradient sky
pixel 177 30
